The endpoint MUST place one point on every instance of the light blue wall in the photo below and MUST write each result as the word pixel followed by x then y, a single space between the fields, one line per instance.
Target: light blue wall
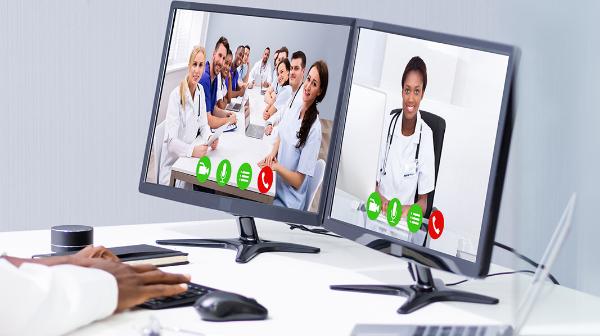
pixel 78 79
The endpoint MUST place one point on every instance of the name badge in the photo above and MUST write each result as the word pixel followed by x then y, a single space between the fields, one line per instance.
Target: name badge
pixel 410 169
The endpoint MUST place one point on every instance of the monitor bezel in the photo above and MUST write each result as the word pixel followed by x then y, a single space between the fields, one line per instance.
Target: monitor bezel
pixel 413 252
pixel 236 206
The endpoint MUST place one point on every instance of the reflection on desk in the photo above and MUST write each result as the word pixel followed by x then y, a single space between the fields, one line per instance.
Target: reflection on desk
pixel 238 148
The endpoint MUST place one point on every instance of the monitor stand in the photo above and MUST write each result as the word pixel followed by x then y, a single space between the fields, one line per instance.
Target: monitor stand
pixel 426 290
pixel 248 245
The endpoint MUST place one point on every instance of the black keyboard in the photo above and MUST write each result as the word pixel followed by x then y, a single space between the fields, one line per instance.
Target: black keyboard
pixel 186 298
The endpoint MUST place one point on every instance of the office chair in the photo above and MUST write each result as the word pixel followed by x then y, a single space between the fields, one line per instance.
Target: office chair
pixel 438 128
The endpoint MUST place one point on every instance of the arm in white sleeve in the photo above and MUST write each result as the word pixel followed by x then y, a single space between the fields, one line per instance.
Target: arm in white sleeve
pixel 42 300
pixel 275 118
pixel 172 123
pixel 203 126
pixel 255 73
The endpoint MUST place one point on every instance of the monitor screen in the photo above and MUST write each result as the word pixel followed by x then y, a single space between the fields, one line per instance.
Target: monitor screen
pixel 419 139
pixel 245 108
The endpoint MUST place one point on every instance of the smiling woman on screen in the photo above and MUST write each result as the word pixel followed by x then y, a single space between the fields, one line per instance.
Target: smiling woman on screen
pixel 296 148
pixel 186 118
pixel 406 160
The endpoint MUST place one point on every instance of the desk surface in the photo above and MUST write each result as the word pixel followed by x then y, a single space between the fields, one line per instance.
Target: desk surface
pixel 238 148
pixel 295 287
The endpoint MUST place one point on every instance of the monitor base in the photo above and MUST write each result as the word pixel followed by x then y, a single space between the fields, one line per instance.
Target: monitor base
pixel 425 291
pixel 248 245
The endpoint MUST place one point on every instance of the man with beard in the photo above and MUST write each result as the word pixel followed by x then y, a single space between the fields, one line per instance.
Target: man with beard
pixel 209 82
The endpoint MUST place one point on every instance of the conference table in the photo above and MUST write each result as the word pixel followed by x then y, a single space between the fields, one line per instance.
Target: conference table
pixel 238 148
pixel 295 287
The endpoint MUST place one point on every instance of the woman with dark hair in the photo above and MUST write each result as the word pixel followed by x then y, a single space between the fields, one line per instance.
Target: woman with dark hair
pixel 277 98
pixel 406 160
pixel 296 148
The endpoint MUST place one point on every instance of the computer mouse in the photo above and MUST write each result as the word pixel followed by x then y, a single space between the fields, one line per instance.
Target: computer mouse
pixel 226 306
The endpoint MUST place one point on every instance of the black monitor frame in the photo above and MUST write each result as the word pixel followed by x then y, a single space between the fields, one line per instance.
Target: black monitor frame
pixel 413 252
pixel 236 206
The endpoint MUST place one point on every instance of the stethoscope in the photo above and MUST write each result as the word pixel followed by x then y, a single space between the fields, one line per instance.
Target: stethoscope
pixel 390 137
pixel 295 94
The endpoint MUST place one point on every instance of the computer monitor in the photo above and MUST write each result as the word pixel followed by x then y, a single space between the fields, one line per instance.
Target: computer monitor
pixel 422 146
pixel 236 130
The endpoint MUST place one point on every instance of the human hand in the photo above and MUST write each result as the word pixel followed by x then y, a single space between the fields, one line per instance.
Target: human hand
pixel 384 203
pixel 232 119
pixel 266 114
pixel 140 283
pixel 213 146
pixel 100 252
pixel 199 151
pixel 267 161
pixel 268 129
pixel 275 165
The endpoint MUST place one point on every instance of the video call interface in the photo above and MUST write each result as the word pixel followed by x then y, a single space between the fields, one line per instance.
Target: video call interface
pixel 418 140
pixel 247 106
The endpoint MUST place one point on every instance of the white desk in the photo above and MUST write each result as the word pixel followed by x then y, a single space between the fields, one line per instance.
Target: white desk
pixel 295 287
pixel 238 148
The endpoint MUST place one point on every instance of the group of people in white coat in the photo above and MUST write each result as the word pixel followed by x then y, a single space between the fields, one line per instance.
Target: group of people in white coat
pixel 197 105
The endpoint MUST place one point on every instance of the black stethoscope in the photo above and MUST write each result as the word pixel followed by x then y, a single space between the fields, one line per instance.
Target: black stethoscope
pixel 390 137
pixel 294 97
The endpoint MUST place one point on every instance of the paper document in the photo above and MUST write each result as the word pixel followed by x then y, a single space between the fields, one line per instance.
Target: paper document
pixel 217 133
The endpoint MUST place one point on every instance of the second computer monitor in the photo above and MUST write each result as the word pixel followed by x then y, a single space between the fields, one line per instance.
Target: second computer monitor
pixel 421 146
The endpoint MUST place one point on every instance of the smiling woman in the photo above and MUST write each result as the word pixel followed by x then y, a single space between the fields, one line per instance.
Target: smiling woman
pixel 408 165
pixel 182 123
pixel 296 148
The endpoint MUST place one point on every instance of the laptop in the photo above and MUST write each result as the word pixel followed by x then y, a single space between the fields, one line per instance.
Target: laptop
pixel 523 312
pixel 233 106
pixel 252 130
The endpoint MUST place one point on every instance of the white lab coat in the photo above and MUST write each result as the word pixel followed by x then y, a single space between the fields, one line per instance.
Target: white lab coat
pixel 221 87
pixel 260 73
pixel 53 300
pixel 402 175
pixel 293 104
pixel 182 124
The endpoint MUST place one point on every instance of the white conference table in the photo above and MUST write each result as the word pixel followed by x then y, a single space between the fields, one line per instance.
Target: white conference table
pixel 295 287
pixel 238 148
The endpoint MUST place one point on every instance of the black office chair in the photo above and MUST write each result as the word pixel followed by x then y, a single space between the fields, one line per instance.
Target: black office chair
pixel 438 128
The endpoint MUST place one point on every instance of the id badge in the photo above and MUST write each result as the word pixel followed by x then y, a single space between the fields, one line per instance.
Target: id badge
pixel 410 169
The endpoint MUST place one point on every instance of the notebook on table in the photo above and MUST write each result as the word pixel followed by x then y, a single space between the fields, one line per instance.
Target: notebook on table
pixel 140 254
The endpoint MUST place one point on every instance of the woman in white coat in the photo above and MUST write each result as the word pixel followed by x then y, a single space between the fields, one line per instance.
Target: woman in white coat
pixel 186 119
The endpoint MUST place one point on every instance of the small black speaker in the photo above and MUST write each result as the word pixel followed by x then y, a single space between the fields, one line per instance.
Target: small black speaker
pixel 66 238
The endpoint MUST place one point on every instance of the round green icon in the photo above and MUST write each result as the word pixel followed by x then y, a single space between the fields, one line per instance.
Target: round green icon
pixel 223 172
pixel 373 205
pixel 414 218
pixel 394 212
pixel 244 176
pixel 203 169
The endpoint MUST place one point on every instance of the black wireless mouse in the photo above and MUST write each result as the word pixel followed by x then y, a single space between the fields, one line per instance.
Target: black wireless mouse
pixel 226 306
